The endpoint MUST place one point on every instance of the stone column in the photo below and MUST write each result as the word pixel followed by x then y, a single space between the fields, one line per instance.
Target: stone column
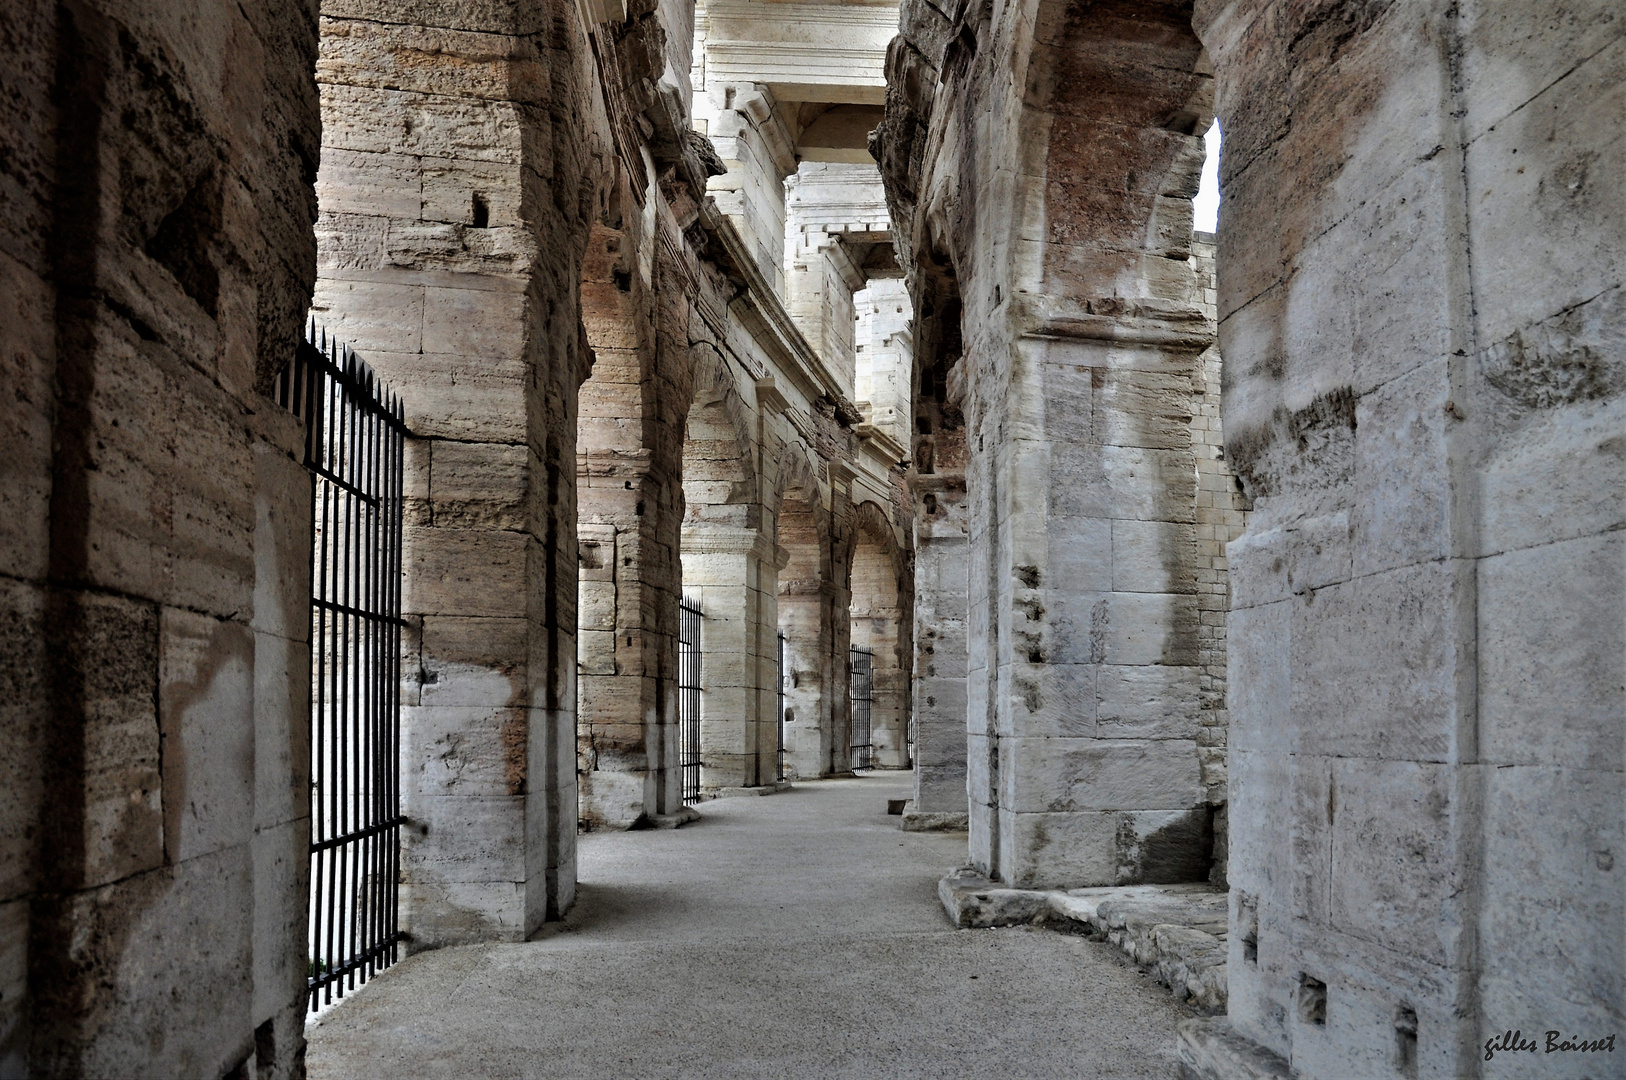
pixel 629 460
pixel 939 683
pixel 450 259
pixel 732 579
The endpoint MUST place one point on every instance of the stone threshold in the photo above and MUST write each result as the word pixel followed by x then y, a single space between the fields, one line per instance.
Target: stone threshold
pixel 1176 932
pixel 1208 1048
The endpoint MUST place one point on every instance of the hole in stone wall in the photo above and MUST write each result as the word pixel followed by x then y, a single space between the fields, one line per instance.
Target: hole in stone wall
pixel 481 214
pixel 185 238
pixel 1183 122
pixel 265 1051
pixel 1406 1042
pixel 1247 921
pixel 1312 1000
pixel 930 502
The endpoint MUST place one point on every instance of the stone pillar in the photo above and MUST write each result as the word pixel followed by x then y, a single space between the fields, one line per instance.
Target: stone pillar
pixel 939 661
pixel 1426 645
pixel 813 616
pixel 883 355
pixel 733 582
pixel 629 460
pixel 729 568
pixel 451 258
pixel 881 598
pixel 156 259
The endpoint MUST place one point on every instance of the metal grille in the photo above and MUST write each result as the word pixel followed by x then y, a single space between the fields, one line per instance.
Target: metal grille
pixel 354 437
pixel 689 698
pixel 779 704
pixel 861 663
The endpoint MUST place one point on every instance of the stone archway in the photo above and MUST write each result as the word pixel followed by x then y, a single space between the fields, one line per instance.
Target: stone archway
pixel 882 623
pixel 728 569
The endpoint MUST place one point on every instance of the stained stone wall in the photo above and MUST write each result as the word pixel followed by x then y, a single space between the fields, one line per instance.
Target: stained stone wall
pixel 1420 300
pixel 630 507
pixel 156 257
pixel 464 162
pixel 1043 157
pixel 1222 514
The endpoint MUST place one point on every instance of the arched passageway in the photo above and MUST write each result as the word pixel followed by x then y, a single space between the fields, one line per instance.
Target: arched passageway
pixel 881 620
pixel 812 616
pixel 728 570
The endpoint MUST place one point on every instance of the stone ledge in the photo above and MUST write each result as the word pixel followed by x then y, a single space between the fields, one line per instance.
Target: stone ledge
pixel 918 821
pixel 683 817
pixel 1210 1049
pixel 760 789
pixel 1177 932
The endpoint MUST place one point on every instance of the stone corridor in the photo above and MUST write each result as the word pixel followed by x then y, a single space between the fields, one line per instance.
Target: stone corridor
pixel 792 936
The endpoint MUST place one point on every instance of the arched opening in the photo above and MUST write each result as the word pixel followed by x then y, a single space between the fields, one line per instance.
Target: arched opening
pixel 728 573
pixel 881 621
pixel 817 711
pixel 628 522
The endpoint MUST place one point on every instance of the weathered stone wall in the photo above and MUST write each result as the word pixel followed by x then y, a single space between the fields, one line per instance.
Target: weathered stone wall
pixel 630 508
pixel 884 357
pixel 882 588
pixel 1420 293
pixel 465 160
pixel 1222 514
pixel 1050 173
pixel 156 257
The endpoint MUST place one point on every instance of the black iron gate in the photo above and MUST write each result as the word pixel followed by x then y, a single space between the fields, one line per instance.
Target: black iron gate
pixel 779 703
pixel 353 449
pixel 689 698
pixel 861 664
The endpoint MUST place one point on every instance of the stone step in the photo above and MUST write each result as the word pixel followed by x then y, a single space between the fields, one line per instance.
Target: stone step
pixel 1176 932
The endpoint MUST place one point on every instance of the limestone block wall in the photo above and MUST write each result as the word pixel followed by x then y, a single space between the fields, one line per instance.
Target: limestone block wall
pixel 884 355
pixel 461 162
pixel 832 211
pixel 744 124
pixel 1062 211
pixel 1222 514
pixel 629 507
pixel 1420 293
pixel 881 621
pixel 155 261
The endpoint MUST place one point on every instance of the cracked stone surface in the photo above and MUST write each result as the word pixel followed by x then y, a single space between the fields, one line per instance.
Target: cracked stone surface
pixel 1177 932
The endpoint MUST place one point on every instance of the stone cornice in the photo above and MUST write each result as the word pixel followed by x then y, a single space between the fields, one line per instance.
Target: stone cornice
pixel 763 314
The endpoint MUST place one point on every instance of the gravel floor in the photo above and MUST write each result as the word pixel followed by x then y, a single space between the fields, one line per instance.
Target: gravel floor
pixel 793 935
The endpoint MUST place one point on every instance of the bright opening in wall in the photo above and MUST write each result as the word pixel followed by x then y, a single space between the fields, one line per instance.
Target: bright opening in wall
pixel 1205 206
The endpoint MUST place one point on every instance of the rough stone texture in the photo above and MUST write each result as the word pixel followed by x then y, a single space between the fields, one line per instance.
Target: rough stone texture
pixel 1210 1049
pixel 630 510
pixel 1039 161
pixel 1418 293
pixel 1176 932
pixel 458 187
pixel 1222 514
pixel 156 257
pixel 1419 288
